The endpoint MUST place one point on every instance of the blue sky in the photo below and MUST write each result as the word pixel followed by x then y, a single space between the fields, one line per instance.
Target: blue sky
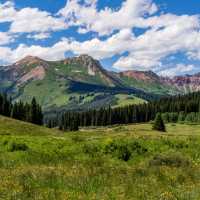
pixel 158 35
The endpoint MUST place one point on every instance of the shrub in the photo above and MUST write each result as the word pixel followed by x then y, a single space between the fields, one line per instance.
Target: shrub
pixel 123 152
pixel 111 147
pixel 91 149
pixel 5 142
pixel 124 149
pixel 138 148
pixel 14 146
pixel 171 160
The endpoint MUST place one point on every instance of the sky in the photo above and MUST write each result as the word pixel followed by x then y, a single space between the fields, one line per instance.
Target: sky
pixel 149 35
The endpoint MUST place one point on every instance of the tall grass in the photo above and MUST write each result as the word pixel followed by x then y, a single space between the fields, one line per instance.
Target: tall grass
pixel 132 162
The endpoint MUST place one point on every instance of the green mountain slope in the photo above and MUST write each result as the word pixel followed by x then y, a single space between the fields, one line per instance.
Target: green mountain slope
pixel 148 81
pixel 81 82
pixel 73 83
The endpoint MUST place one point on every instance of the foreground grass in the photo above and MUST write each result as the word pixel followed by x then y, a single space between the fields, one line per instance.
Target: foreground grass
pixel 119 162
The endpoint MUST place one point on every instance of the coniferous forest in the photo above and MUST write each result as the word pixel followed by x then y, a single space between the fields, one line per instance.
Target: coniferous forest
pixel 173 109
pixel 181 106
pixel 22 111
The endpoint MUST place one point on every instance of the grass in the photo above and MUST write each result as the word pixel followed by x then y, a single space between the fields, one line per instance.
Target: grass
pixel 125 100
pixel 116 162
pixel 152 87
pixel 53 91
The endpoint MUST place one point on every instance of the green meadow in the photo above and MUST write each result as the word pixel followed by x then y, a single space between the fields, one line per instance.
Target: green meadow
pixel 117 162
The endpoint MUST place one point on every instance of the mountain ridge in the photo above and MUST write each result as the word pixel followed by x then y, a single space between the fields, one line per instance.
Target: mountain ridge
pixel 72 83
pixel 81 80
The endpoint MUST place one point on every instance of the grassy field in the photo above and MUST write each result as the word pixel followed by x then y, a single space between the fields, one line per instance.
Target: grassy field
pixel 118 162
pixel 125 100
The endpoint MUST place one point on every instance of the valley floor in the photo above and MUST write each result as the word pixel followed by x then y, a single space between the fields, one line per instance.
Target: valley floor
pixel 119 162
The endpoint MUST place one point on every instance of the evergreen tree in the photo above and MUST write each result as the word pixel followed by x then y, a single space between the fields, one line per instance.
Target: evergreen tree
pixel 33 111
pixel 73 123
pixel 19 110
pixel 159 123
pixel 14 112
pixel 181 117
pixel 36 116
pixel 175 109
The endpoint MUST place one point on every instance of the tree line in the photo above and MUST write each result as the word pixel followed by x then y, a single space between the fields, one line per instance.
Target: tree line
pixel 124 115
pixel 193 117
pixel 29 112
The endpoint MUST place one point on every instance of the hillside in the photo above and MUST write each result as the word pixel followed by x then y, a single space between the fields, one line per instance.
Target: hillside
pixel 39 163
pixel 186 84
pixel 13 127
pixel 73 83
pixel 149 82
pixel 79 83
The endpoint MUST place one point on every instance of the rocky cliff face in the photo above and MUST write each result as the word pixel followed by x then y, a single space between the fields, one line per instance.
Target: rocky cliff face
pixel 187 83
pixel 29 68
pixel 34 68
pixel 179 84
pixel 92 66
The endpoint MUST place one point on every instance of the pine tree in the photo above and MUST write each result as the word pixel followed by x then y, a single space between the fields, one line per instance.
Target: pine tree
pixel 36 115
pixel 181 117
pixel 159 123
pixel 14 112
pixel 73 124
pixel 33 110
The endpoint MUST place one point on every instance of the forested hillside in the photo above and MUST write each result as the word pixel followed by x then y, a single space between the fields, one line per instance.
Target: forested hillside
pixel 129 114
pixel 76 83
pixel 82 83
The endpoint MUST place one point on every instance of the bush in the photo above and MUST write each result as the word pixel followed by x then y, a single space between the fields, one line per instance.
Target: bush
pixel 5 142
pixel 171 160
pixel 123 152
pixel 14 146
pixel 91 149
pixel 136 147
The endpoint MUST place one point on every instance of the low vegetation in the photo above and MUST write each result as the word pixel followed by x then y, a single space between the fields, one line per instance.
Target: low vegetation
pixel 117 162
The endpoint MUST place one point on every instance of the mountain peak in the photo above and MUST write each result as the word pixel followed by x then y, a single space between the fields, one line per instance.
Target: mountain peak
pixel 87 59
pixel 29 60
pixel 85 56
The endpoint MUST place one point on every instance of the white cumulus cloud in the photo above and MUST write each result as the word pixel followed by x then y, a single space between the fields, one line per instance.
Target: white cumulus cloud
pixel 163 35
pixel 180 69
pixel 107 20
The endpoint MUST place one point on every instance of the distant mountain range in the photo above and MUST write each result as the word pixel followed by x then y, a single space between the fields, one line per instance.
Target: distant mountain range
pixel 81 82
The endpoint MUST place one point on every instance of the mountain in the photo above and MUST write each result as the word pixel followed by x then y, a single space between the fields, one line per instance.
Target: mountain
pixel 149 82
pixel 74 83
pixel 186 84
pixel 81 83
